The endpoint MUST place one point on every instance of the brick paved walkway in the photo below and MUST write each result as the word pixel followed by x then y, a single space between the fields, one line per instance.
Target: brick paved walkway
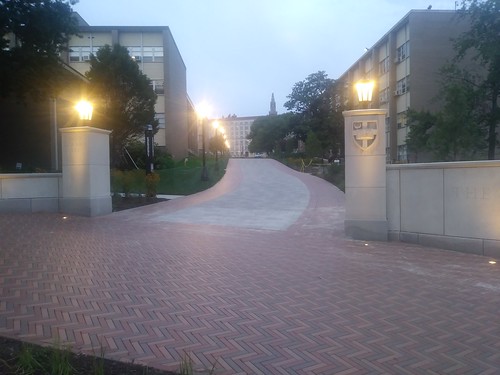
pixel 254 273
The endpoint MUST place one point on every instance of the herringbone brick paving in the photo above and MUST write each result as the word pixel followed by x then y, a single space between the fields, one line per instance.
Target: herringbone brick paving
pixel 297 300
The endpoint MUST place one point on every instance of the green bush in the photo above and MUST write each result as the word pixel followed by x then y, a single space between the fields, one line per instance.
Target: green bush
pixel 163 160
pixel 152 181
pixel 137 151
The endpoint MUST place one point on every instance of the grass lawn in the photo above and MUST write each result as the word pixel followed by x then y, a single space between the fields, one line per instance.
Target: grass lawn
pixel 18 358
pixel 181 180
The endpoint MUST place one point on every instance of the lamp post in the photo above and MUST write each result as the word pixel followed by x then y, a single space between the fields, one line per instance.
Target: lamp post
pixel 85 110
pixel 150 150
pixel 216 126
pixel 364 90
pixel 203 116
pixel 365 168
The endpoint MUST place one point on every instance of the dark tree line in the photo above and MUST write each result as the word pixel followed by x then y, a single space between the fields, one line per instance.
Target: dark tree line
pixel 314 117
pixel 466 127
pixel 36 33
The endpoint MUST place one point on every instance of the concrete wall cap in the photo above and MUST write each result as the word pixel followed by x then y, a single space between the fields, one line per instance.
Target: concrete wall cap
pixel 84 129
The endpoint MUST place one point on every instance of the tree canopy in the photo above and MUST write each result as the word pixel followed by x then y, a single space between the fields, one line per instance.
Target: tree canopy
pixel 34 33
pixel 124 99
pixel 482 42
pixel 466 124
pixel 314 111
pixel 452 133
pixel 267 132
pixel 315 103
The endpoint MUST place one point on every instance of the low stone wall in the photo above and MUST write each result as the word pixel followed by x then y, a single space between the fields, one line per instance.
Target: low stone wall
pixel 453 206
pixel 30 192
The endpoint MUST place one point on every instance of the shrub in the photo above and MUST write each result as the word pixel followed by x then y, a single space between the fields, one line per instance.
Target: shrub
pixel 152 181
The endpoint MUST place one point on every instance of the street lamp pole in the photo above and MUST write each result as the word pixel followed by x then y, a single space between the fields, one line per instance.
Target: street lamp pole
pixel 150 150
pixel 204 171
pixel 216 145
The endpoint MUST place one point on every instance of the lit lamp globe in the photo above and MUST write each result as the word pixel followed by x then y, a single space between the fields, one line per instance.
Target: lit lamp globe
pixel 365 91
pixel 85 109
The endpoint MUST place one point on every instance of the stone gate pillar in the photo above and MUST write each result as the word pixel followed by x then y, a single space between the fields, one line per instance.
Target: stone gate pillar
pixel 85 171
pixel 365 174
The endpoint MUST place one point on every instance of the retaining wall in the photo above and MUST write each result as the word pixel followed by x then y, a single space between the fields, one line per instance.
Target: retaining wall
pixel 30 192
pixel 453 206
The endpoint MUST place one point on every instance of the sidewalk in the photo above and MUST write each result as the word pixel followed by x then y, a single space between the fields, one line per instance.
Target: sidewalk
pixel 254 273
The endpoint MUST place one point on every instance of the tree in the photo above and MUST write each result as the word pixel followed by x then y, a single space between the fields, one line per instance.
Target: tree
pixel 313 145
pixel 123 95
pixel 453 133
pixel 217 143
pixel 458 134
pixel 420 125
pixel 317 106
pixel 483 42
pixel 266 133
pixel 35 33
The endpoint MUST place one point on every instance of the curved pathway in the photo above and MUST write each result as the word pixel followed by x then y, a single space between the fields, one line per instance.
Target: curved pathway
pixel 255 274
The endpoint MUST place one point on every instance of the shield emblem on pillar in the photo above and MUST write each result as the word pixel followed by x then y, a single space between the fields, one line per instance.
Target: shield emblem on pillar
pixel 364 133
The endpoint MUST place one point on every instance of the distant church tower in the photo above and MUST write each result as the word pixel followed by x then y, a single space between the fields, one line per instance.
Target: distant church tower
pixel 272 108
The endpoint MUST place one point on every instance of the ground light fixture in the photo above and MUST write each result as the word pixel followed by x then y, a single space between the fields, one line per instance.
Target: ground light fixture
pixel 85 109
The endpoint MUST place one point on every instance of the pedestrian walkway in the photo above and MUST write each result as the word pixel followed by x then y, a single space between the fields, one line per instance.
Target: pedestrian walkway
pixel 255 274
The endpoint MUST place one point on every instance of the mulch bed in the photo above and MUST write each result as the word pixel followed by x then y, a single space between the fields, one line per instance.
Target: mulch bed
pixel 125 203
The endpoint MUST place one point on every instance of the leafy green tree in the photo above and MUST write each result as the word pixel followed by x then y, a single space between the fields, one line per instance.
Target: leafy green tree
pixel 124 99
pixel 267 133
pixel 35 33
pixel 482 41
pixel 457 134
pixel 217 143
pixel 313 145
pixel 317 106
pixel 453 133
pixel 420 125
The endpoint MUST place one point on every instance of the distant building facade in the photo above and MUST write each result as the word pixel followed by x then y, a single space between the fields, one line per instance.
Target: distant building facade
pixel 154 49
pixel 238 128
pixel 405 65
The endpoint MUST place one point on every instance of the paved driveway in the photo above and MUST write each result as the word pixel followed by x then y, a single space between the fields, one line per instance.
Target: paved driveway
pixel 255 274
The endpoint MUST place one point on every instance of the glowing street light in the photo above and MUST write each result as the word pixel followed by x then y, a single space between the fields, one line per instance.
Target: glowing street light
pixel 203 112
pixel 365 91
pixel 217 126
pixel 85 109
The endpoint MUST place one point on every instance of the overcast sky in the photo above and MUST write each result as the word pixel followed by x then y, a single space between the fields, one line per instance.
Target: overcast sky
pixel 239 52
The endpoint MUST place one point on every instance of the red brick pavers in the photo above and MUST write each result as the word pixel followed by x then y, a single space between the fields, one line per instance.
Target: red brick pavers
pixel 298 298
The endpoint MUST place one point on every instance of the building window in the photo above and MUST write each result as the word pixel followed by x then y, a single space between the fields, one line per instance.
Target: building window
pixel 158 87
pixel 402 153
pixel 383 66
pixel 161 120
pixel 401 119
pixel 403 52
pixel 403 86
pixel 80 53
pixel 135 53
pixel 153 54
pixel 383 96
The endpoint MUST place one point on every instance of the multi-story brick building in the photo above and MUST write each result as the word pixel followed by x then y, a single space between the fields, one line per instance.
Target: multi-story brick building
pixel 155 50
pixel 238 128
pixel 405 65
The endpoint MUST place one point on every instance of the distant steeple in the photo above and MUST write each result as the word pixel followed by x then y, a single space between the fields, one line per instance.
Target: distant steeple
pixel 272 108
